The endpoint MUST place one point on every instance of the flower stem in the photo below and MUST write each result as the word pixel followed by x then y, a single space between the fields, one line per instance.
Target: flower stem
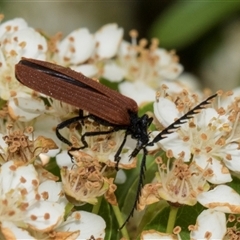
pixel 96 207
pixel 120 220
pixel 171 219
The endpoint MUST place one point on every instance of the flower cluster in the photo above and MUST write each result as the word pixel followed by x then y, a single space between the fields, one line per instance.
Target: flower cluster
pixel 200 159
pixel 195 165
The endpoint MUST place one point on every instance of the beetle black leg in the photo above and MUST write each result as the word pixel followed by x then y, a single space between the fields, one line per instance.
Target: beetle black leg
pixel 117 157
pixel 65 124
pixel 91 134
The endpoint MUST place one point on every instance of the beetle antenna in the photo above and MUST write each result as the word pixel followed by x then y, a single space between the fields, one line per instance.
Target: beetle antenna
pixel 139 188
pixel 175 125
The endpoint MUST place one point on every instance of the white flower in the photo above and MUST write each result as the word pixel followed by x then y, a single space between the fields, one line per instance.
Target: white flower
pixel 175 182
pixel 76 48
pixel 210 138
pixel 88 70
pixel 210 225
pixel 17 40
pixel 108 39
pixel 84 181
pixel 113 72
pixel 150 65
pixel 13 25
pixel 11 231
pixel 104 147
pixel 24 107
pixel 21 202
pixel 139 91
pixel 25 43
pixel 221 198
pixel 168 66
pixel 89 225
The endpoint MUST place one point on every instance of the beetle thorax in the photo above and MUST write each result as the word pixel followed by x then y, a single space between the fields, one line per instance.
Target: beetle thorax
pixel 138 128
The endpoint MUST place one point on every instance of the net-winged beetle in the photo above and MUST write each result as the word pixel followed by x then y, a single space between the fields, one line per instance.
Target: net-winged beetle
pixel 104 105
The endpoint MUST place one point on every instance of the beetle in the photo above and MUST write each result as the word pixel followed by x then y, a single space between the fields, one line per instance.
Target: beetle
pixel 104 105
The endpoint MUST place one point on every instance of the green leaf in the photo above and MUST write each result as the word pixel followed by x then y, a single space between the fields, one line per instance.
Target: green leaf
pixel 146 108
pixel 187 215
pixel 235 183
pixel 112 85
pixel 152 211
pixel 186 21
pixel 112 227
pixel 53 167
pixel 2 103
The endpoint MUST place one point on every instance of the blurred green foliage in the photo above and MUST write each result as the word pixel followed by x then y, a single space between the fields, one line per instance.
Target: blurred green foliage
pixel 186 21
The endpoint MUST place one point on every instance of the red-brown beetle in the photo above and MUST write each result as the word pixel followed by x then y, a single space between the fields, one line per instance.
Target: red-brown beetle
pixel 105 106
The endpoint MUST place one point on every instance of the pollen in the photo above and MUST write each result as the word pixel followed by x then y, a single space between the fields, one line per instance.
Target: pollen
pixel 72 50
pixel 13 168
pixel 208 235
pixel 46 216
pixel 192 227
pixel 192 125
pixel 231 218
pixel 24 206
pixel 37 197
pixel 177 230
pixel 169 154
pixel 133 33
pixel 45 195
pixel 13 53
pixel 71 39
pixel 5 202
pixel 204 136
pixel 35 182
pixel 8 28
pixel 33 217
pixel 77 216
pixel 11 213
pixel 22 44
pixel 208 149
pixel 221 111
pixel 228 157
pixel 23 180
pixel 186 138
pixel 40 47
pixel 24 192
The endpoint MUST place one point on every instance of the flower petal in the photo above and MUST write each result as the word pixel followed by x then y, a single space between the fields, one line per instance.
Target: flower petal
pixel 221 198
pixel 210 225
pixel 108 39
pixel 139 91
pixel 76 48
pixel 89 225
pixel 165 111
pixel 233 150
pixel 11 231
pixel 24 107
pixel 44 215
pixel 88 70
pixel 113 72
pixel 220 174
pixel 154 235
